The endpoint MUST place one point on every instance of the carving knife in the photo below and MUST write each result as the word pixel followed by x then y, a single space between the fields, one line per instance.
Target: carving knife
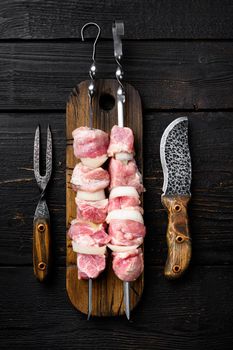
pixel 177 172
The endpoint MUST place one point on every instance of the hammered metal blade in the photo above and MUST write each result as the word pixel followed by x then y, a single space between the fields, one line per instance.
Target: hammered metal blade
pixel 175 158
pixel 49 155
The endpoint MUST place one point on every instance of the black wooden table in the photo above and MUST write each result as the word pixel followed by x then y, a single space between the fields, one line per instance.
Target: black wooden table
pixel 179 55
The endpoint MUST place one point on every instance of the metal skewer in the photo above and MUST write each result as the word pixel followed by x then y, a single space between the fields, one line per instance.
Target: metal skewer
pixel 117 32
pixel 89 298
pixel 127 298
pixel 91 93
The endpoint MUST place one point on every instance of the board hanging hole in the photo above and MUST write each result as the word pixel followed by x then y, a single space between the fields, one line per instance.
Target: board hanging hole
pixel 106 102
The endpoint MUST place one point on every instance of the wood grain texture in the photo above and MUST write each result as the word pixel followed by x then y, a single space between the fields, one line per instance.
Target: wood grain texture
pixel 178 236
pixel 41 248
pixel 191 313
pixel 107 297
pixel 169 75
pixel 42 19
pixel 211 208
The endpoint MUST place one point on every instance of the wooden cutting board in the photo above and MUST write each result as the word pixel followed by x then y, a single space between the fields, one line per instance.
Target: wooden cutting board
pixel 107 288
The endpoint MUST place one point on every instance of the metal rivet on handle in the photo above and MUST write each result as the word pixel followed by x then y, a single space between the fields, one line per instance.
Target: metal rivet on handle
pixel 42 266
pixel 179 239
pixel 177 207
pixel 176 268
pixel 41 227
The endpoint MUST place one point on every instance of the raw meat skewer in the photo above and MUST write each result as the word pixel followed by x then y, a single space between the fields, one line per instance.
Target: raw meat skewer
pixel 118 31
pixel 88 231
pixel 91 92
pixel 91 149
pixel 126 224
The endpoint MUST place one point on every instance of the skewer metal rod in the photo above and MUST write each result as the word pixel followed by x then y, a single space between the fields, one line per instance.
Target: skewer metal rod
pixel 127 298
pixel 120 106
pixel 118 32
pixel 91 112
pixel 89 298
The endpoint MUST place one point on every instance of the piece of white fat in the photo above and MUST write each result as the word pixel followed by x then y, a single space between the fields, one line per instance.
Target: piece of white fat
pixel 125 214
pixel 91 196
pixel 90 250
pixel 123 191
pixel 119 248
pixel 124 156
pixel 94 162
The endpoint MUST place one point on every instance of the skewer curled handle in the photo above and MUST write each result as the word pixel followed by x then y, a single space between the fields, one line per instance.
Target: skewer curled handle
pixel 178 237
pixel 41 248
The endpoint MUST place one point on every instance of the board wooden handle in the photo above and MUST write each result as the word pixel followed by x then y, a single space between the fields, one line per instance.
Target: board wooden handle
pixel 178 237
pixel 41 248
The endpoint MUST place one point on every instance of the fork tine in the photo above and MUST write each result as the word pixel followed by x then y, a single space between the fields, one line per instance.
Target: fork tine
pixel 48 154
pixel 42 181
pixel 36 158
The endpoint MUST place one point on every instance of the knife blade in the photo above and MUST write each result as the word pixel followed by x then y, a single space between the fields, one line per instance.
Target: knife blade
pixel 177 170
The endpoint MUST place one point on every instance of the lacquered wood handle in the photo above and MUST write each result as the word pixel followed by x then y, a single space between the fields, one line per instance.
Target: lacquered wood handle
pixel 41 248
pixel 178 236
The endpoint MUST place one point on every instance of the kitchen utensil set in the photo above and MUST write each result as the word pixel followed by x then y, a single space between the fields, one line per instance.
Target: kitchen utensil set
pixel 176 166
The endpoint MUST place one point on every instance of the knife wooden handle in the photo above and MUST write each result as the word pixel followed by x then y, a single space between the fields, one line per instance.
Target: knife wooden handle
pixel 178 237
pixel 41 248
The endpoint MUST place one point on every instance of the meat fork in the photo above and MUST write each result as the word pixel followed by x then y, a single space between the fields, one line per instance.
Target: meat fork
pixel 41 222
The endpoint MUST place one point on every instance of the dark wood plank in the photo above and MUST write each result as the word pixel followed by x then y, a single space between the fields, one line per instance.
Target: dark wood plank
pixel 211 208
pixel 192 313
pixel 168 75
pixel 143 20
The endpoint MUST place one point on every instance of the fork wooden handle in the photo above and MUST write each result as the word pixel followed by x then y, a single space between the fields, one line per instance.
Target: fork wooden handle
pixel 41 248
pixel 178 237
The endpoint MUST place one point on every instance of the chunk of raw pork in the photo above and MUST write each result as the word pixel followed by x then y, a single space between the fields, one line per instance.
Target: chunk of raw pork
pixel 121 140
pixel 128 266
pixel 89 180
pixel 126 232
pixel 88 234
pixel 123 203
pixel 90 266
pixel 90 143
pixel 125 174
pixel 94 211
